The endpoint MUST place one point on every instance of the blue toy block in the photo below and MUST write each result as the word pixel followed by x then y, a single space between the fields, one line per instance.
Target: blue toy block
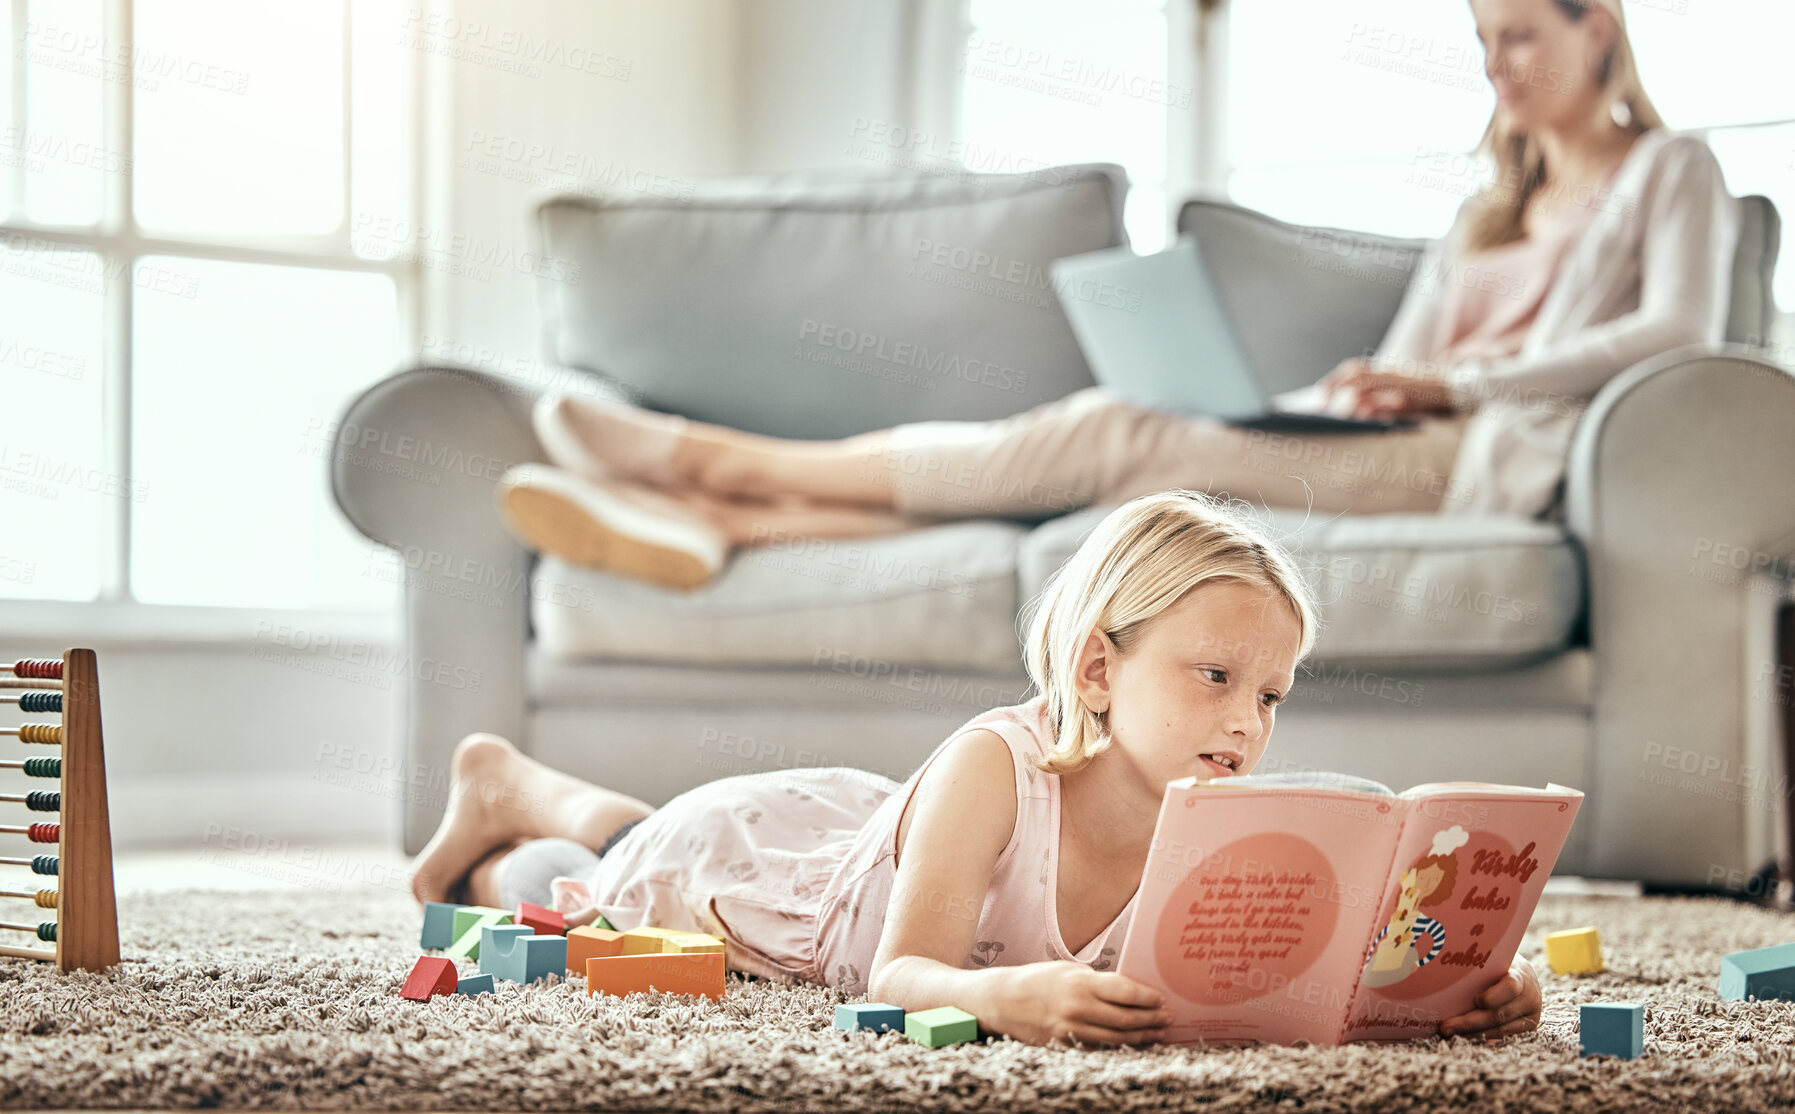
pixel 1612 1029
pixel 876 1016
pixel 439 925
pixel 474 984
pixel 1759 973
pixel 515 952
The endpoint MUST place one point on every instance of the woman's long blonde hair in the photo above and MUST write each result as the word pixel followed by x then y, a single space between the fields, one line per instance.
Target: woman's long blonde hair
pixel 1495 218
pixel 1140 560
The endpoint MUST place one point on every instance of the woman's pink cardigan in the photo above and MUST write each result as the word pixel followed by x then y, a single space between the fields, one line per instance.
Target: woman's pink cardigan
pixel 1651 272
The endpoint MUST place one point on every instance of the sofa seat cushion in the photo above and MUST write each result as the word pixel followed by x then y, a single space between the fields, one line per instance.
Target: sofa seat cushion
pixel 1421 591
pixel 942 596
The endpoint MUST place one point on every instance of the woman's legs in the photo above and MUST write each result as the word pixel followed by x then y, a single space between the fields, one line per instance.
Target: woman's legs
pixel 1085 448
pixel 498 799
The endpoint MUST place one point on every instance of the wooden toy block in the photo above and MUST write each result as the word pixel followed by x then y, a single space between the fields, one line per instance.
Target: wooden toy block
pixel 469 920
pixel 586 942
pixel 1759 973
pixel 439 924
pixel 1575 951
pixel 876 1016
pixel 516 953
pixel 1611 1029
pixel 647 941
pixel 940 1026
pixel 673 972
pixel 544 920
pixel 475 984
pixel 693 942
pixel 604 924
pixel 429 975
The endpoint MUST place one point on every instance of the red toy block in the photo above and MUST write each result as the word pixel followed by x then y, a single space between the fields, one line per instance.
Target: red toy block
pixel 432 974
pixel 545 921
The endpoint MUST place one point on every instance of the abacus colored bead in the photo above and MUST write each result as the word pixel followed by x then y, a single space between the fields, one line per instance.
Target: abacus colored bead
pixel 40 701
pixel 42 669
pixel 46 899
pixel 47 931
pixel 43 864
pixel 43 802
pixel 43 833
pixel 41 733
pixel 43 767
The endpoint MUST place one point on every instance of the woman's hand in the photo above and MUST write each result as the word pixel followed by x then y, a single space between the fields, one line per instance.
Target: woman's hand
pixel 1047 1003
pixel 1379 391
pixel 1508 1006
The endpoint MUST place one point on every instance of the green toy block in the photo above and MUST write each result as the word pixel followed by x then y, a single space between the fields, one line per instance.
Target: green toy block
pixel 602 923
pixel 439 924
pixel 519 953
pixel 469 920
pixel 1611 1029
pixel 1759 973
pixel 876 1016
pixel 940 1026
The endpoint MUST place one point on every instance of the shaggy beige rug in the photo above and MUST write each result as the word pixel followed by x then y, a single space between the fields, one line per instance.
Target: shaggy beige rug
pixel 291 1002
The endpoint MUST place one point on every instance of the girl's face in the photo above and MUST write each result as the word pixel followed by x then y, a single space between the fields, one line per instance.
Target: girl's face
pixel 1541 62
pixel 1198 694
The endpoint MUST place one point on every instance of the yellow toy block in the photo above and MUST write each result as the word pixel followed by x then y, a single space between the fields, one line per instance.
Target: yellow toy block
pixel 1575 951
pixel 647 940
pixel 693 942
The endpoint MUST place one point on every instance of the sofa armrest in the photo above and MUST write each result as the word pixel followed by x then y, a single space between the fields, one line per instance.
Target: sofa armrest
pixel 1681 489
pixel 416 461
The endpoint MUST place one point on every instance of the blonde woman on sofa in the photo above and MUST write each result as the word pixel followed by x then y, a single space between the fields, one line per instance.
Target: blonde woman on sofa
pixel 1602 239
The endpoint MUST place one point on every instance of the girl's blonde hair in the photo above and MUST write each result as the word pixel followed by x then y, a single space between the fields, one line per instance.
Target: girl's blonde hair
pixel 1520 165
pixel 1140 560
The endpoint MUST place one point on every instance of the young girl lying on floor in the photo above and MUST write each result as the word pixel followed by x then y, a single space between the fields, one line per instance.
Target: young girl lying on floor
pixel 1001 877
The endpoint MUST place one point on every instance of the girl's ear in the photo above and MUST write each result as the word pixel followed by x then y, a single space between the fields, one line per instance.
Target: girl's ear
pixel 1090 675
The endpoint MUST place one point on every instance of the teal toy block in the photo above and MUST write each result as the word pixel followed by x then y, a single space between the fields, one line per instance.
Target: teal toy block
pixel 1611 1029
pixel 474 984
pixel 1759 973
pixel 469 920
pixel 439 924
pixel 517 953
pixel 876 1016
pixel 940 1026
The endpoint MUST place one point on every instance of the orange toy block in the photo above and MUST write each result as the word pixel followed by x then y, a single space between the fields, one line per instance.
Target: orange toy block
pixel 693 942
pixel 675 973
pixel 586 942
pixel 544 920
pixel 432 974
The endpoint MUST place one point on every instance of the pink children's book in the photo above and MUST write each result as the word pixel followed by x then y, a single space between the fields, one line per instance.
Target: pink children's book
pixel 1327 908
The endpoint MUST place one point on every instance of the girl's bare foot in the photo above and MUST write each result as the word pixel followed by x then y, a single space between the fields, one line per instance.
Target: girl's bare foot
pixel 485 811
pixel 501 797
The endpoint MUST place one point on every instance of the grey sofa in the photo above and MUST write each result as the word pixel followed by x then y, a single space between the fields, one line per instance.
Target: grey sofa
pixel 1611 651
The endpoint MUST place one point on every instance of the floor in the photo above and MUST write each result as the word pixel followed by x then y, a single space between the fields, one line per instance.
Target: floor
pixel 335 867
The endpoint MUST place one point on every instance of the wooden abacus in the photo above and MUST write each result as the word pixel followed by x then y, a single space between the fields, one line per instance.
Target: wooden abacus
pixel 85 930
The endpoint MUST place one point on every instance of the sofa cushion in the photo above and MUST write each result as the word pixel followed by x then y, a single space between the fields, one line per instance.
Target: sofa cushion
pixel 1417 591
pixel 824 304
pixel 943 596
pixel 1300 299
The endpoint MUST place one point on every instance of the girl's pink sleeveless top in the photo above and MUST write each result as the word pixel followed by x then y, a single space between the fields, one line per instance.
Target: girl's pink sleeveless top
pixel 1019 922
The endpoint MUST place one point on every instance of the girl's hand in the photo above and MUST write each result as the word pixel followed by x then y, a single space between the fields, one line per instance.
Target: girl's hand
pixel 1509 1006
pixel 1378 392
pixel 1048 1003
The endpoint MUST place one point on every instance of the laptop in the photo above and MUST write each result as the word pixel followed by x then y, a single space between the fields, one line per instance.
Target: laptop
pixel 1155 333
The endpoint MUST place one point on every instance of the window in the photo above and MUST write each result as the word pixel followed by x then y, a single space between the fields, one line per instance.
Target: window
pixel 183 312
pixel 1048 82
pixel 1359 120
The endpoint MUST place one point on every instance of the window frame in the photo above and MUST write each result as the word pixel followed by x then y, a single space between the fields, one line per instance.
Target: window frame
pixel 113 616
